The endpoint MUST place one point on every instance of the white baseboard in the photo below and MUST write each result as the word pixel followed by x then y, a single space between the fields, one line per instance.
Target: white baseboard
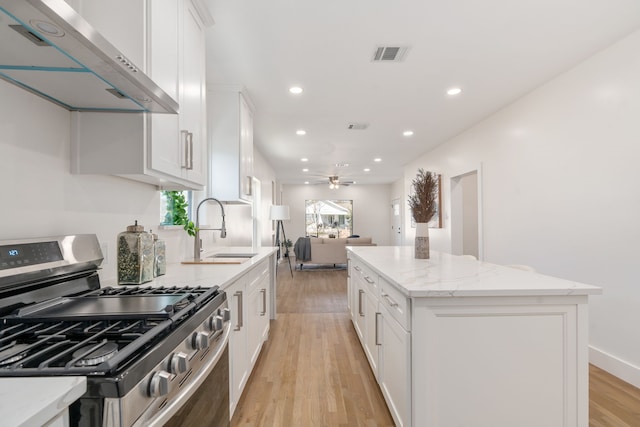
pixel 621 369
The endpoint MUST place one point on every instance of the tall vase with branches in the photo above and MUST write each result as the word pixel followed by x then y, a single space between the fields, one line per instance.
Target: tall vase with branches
pixel 423 207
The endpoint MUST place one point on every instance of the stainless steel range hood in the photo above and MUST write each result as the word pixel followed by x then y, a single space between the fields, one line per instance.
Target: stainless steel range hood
pixel 50 50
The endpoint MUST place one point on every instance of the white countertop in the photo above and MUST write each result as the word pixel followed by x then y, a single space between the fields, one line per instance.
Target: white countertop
pixel 446 275
pixel 34 401
pixel 222 275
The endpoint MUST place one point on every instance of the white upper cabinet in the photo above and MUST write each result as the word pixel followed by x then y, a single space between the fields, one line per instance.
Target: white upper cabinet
pixel 230 145
pixel 167 150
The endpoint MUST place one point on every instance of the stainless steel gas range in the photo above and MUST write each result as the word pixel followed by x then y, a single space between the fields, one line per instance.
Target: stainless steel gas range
pixel 149 353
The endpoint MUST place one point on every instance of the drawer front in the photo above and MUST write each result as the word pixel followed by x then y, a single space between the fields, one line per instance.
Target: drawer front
pixel 396 302
pixel 256 274
pixel 368 277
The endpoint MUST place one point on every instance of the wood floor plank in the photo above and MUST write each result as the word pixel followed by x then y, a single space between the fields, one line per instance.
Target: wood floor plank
pixel 313 372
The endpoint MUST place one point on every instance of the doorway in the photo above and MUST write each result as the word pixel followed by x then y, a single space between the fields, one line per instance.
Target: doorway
pixel 466 214
pixel 396 221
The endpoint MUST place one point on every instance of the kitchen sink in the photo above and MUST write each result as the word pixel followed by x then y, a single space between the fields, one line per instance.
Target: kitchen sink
pixel 223 258
pixel 233 255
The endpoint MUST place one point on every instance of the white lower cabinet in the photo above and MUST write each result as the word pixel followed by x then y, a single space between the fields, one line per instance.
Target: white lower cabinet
pixel 371 332
pixel 394 367
pixel 386 343
pixel 250 313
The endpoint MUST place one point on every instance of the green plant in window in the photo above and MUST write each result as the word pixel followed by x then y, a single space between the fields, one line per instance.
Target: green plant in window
pixel 177 211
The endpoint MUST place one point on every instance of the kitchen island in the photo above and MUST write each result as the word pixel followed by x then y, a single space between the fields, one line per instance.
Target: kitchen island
pixel 458 342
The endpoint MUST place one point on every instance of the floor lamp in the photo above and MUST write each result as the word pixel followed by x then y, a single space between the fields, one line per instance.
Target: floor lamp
pixel 280 213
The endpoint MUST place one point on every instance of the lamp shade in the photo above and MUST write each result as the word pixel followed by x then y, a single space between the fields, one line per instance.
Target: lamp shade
pixel 279 212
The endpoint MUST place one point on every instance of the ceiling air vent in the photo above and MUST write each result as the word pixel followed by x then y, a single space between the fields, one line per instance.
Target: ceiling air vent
pixel 357 126
pixel 389 54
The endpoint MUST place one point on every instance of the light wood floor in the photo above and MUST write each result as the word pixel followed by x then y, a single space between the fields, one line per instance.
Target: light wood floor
pixel 313 372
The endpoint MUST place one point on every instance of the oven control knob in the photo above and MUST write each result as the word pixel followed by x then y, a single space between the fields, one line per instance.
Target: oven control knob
pixel 215 323
pixel 200 340
pixel 159 384
pixel 226 314
pixel 179 363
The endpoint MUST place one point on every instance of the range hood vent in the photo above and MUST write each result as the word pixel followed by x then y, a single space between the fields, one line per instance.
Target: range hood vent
pixel 51 51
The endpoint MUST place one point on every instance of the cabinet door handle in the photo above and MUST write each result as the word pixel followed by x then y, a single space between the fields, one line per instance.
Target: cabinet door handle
pixel 240 316
pixel 249 186
pixel 357 268
pixel 185 140
pixel 264 302
pixel 370 280
pixel 391 302
pixel 190 164
pixel 378 342
pixel 361 292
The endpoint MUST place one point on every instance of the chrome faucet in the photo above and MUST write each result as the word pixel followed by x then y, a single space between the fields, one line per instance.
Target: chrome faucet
pixel 197 247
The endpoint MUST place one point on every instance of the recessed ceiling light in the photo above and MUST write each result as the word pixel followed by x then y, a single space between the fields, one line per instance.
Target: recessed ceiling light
pixel 306 182
pixel 301 132
pixel 407 133
pixel 296 90
pixel 305 170
pixel 342 165
pixel 454 91
pixel 377 159
pixel 304 159
pixel 367 169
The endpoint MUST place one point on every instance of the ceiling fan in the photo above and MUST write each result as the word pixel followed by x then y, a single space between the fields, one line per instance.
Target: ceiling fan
pixel 334 182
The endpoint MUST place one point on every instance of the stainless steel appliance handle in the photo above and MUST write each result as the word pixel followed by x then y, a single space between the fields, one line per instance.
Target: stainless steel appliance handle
pixel 361 292
pixel 240 317
pixel 264 302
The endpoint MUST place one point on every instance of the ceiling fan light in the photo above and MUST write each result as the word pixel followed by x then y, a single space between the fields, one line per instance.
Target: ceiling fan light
pixel 331 186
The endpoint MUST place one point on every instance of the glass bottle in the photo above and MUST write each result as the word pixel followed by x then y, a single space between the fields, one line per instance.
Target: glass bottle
pixel 135 256
pixel 159 260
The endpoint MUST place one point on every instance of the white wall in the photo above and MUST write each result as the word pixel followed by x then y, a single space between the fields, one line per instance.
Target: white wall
pixel 371 208
pixel 42 198
pixel 559 189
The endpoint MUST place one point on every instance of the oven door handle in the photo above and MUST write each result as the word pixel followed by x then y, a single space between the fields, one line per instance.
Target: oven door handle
pixel 176 402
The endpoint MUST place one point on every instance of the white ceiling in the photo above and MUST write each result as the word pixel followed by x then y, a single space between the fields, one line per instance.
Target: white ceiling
pixel 495 50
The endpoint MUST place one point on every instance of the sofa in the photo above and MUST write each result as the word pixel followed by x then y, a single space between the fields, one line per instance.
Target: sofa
pixel 326 250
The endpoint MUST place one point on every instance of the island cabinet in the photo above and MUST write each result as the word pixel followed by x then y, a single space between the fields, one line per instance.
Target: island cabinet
pixel 249 298
pixel 166 39
pixel 230 144
pixel 467 343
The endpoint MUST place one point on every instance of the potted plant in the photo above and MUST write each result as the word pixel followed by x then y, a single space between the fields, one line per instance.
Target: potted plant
pixel 287 244
pixel 423 207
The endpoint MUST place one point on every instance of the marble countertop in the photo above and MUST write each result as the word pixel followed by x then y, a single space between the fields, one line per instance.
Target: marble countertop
pixel 222 275
pixel 35 401
pixel 446 275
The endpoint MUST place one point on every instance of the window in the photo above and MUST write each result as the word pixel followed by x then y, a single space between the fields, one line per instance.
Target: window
pixel 329 218
pixel 175 207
